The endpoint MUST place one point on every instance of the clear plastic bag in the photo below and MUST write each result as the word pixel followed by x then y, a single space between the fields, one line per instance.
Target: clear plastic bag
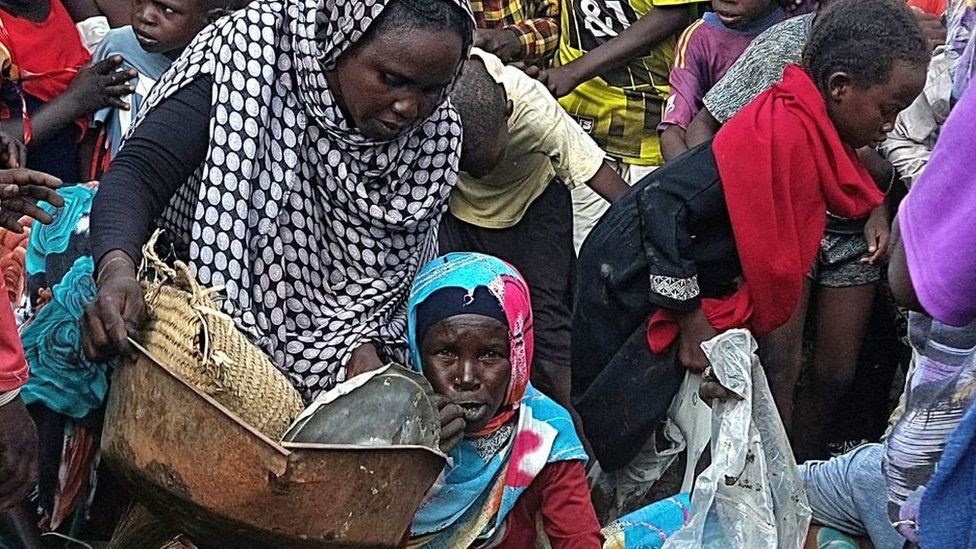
pixel 751 497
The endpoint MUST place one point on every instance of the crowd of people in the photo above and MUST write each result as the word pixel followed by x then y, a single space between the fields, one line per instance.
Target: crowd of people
pixel 546 207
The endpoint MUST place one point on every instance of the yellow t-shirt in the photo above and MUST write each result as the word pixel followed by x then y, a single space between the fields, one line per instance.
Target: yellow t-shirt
pixel 543 143
pixel 620 108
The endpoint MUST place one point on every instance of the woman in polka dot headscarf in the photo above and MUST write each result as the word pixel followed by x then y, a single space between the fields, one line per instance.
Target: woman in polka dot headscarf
pixel 299 153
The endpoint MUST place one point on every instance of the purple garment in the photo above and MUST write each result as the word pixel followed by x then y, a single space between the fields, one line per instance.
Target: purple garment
pixel 938 222
pixel 704 53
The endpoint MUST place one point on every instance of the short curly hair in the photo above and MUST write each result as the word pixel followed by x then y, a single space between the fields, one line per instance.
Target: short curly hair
pixel 863 38
pixel 482 104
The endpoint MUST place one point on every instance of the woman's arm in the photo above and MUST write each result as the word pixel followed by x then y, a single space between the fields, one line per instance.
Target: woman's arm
pixel 155 161
pixel 162 153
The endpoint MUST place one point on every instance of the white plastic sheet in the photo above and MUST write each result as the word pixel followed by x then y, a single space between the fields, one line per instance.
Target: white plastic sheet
pixel 751 497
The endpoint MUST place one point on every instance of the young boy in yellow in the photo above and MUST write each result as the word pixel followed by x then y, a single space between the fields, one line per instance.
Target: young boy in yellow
pixel 611 76
pixel 520 154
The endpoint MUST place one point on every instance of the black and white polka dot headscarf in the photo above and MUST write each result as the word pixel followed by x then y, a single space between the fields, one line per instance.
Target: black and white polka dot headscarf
pixel 316 231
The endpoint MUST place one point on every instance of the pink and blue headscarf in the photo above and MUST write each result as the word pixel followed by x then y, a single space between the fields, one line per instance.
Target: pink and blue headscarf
pixel 475 493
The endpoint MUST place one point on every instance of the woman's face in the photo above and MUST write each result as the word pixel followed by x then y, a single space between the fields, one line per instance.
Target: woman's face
pixel 466 358
pixel 390 82
pixel 864 116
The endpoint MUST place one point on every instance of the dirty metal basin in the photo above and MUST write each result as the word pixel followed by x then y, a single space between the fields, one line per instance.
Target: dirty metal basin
pixel 195 465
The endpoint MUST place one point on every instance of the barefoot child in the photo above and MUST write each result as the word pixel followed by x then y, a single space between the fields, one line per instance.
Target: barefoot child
pixel 705 51
pixel 725 235
pixel 512 201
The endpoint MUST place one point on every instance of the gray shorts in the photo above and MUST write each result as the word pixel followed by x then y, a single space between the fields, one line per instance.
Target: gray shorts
pixel 838 263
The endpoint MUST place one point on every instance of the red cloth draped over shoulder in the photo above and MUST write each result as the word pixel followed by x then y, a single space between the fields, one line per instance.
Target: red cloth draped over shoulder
pixel 45 56
pixel 783 166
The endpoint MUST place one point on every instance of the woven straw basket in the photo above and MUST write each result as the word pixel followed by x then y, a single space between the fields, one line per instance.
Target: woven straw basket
pixel 188 331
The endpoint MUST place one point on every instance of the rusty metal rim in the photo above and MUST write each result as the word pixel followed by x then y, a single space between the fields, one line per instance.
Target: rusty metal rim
pixel 284 448
pixel 210 400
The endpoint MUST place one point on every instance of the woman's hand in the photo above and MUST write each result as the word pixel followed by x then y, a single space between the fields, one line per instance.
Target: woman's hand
pixel 693 329
pixel 504 43
pixel 101 85
pixel 18 453
pixel 20 189
pixel 877 231
pixel 452 422
pixel 364 359
pixel 118 311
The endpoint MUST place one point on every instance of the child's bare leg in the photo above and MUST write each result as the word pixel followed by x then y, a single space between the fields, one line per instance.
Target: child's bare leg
pixel 842 321
pixel 781 353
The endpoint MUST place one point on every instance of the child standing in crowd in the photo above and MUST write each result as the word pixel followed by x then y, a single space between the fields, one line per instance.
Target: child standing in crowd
pixel 726 234
pixel 512 200
pixel 612 77
pixel 48 89
pixel 158 33
pixel 705 51
pixel 848 266
pixel 517 30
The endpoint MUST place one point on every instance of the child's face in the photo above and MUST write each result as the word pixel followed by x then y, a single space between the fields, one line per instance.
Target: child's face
pixel 466 358
pixel 864 116
pixel 165 26
pixel 740 13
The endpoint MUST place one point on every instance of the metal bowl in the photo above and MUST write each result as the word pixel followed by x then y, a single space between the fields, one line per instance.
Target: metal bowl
pixel 195 465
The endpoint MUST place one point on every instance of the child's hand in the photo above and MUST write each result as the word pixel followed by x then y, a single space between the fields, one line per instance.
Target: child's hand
pixel 20 190
pixel 13 153
pixel 101 85
pixel 502 42
pixel 559 80
pixel 877 232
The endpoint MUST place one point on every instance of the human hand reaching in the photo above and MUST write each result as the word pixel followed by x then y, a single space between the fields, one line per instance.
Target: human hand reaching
pixel 452 422
pixel 560 81
pixel 117 312
pixel 694 329
pixel 877 231
pixel 20 189
pixel 503 43
pixel 101 85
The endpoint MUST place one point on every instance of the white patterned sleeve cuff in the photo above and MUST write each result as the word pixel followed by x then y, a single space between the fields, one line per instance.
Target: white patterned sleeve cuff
pixel 9 396
pixel 679 289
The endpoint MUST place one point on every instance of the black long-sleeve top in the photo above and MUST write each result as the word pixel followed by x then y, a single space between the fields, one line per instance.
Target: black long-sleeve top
pixel 664 244
pixel 159 157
